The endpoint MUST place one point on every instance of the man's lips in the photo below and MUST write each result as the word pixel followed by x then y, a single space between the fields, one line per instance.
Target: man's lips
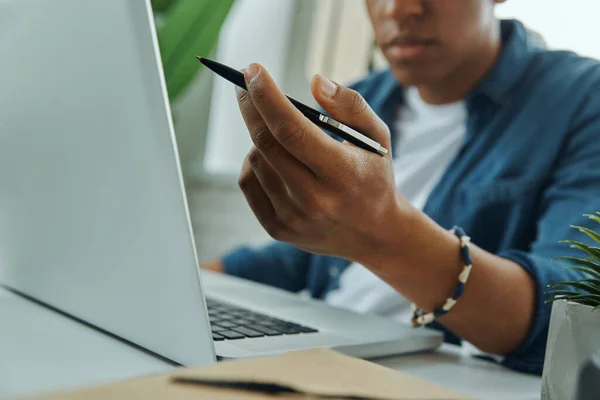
pixel 409 47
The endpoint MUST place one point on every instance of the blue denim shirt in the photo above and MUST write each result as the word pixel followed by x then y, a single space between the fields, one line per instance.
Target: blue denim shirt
pixel 529 168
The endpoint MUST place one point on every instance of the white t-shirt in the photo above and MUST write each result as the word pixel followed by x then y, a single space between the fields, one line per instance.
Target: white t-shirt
pixel 428 139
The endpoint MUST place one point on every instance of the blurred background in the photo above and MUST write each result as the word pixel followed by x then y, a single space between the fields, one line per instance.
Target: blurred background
pixel 294 39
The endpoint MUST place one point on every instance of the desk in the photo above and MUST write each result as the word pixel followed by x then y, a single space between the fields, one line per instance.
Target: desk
pixel 43 351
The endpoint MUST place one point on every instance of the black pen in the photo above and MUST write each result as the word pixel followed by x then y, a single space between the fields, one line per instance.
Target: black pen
pixel 319 119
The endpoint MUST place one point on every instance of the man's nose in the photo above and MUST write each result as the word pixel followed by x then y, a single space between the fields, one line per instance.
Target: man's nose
pixel 404 10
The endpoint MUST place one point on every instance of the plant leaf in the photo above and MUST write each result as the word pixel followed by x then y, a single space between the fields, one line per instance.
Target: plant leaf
pixel 589 271
pixel 189 28
pixel 581 261
pixel 588 297
pixel 562 293
pixel 585 299
pixel 594 252
pixel 161 5
pixel 595 236
pixel 594 217
pixel 581 285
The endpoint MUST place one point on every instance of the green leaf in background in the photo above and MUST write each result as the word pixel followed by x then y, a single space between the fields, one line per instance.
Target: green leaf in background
pixel 581 285
pixel 188 28
pixel 594 217
pixel 160 6
pixel 595 236
pixel 582 261
pixel 585 299
pixel 587 289
pixel 594 252
pixel 592 272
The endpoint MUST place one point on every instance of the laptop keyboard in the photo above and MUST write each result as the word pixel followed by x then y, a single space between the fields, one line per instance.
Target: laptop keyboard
pixel 231 323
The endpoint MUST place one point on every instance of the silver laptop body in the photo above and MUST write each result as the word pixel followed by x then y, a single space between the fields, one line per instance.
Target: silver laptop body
pixel 93 213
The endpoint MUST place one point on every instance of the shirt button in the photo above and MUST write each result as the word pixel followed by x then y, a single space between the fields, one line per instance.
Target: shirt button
pixel 334 272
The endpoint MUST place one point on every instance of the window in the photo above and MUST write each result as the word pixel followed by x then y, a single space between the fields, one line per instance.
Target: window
pixel 570 25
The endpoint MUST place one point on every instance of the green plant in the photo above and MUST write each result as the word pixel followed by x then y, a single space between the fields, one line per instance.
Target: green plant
pixel 586 290
pixel 187 28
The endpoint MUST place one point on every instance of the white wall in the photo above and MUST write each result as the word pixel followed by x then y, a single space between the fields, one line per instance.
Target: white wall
pixel 255 31
pixel 564 24
pixel 341 40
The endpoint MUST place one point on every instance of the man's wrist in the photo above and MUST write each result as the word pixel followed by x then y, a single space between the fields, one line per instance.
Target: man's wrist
pixel 393 236
pixel 418 254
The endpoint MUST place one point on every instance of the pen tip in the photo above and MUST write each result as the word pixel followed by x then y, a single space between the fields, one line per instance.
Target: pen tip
pixel 199 58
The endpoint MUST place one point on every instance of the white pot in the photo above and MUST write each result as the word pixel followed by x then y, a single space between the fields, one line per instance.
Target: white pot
pixel 573 337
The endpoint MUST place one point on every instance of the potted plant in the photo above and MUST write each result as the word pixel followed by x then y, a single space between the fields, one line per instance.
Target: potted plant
pixel 574 333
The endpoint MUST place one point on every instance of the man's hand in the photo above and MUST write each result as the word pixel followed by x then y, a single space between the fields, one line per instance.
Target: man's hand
pixel 333 198
pixel 215 266
pixel 308 189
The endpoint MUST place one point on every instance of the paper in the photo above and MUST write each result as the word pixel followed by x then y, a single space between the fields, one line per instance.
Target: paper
pixel 320 371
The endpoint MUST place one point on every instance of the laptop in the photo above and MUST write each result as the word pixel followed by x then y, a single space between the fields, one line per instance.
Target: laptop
pixel 93 215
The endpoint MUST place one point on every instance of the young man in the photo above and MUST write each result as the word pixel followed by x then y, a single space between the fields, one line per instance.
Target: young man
pixel 489 131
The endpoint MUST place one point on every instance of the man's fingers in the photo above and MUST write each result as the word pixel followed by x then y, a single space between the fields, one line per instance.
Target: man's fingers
pixel 257 199
pixel 348 107
pixel 271 183
pixel 291 129
pixel 287 166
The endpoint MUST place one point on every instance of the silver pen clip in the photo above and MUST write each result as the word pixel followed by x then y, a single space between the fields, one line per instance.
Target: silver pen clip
pixel 355 134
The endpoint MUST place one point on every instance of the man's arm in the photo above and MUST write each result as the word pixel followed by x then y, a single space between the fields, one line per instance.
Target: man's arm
pixel 278 264
pixel 332 198
pixel 503 308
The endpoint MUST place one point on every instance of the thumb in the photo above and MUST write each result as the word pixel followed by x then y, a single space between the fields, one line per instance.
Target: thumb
pixel 348 107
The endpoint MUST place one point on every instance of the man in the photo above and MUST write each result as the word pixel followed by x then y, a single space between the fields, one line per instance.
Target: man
pixel 489 131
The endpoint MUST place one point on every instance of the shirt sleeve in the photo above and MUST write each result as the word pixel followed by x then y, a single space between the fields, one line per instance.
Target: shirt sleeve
pixel 574 190
pixel 278 264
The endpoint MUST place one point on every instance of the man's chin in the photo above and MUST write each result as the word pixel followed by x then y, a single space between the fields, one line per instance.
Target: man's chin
pixel 412 77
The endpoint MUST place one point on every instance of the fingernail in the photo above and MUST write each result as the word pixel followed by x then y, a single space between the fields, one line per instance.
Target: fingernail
pixel 251 72
pixel 328 88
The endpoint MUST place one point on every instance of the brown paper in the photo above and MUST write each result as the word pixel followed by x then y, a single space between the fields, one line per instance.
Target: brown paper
pixel 319 371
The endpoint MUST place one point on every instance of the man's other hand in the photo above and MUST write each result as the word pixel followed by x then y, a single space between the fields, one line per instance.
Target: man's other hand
pixel 214 265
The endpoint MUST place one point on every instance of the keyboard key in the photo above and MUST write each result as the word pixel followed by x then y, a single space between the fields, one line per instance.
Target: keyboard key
pixel 267 331
pixel 231 335
pixel 270 322
pixel 217 328
pixel 288 329
pixel 251 333
pixel 306 329
pixel 217 337
pixel 227 324
pixel 237 314
pixel 239 321
pixel 244 321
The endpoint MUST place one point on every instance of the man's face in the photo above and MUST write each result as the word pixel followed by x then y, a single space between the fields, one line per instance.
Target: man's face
pixel 425 41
